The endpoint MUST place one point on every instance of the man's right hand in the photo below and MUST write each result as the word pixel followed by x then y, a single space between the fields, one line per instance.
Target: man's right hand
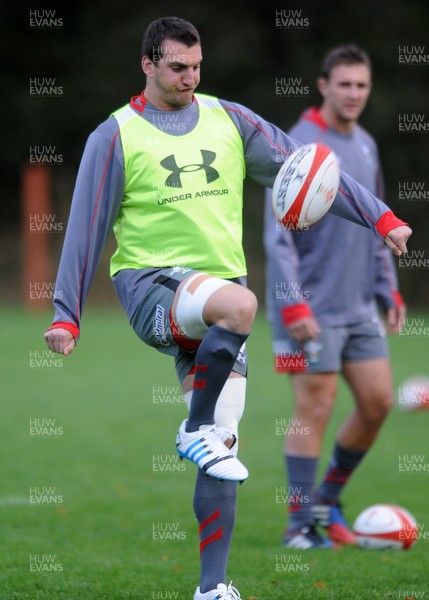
pixel 304 329
pixel 60 341
pixel 397 238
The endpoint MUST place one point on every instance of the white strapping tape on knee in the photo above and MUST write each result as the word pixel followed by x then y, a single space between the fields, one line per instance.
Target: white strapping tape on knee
pixel 229 407
pixel 189 309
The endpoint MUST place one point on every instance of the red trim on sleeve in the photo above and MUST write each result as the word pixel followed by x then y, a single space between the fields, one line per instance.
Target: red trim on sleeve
pixel 387 222
pixel 70 327
pixel 290 314
pixel 398 299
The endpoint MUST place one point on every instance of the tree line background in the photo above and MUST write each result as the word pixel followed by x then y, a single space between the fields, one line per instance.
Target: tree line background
pixel 95 57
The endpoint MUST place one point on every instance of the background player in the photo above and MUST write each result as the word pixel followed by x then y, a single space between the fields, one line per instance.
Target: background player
pixel 179 267
pixel 324 287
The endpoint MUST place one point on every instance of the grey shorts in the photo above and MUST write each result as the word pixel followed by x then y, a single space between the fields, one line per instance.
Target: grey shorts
pixel 333 347
pixel 153 322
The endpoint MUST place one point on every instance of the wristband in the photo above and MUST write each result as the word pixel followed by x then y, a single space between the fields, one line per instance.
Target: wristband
pixel 70 327
pixel 387 222
pixel 296 312
pixel 398 299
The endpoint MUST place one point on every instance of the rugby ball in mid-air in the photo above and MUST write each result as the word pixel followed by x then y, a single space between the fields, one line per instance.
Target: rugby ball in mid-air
pixel 384 526
pixel 305 186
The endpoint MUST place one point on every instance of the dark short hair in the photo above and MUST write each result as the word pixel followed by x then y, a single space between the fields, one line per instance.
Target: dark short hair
pixel 344 55
pixel 167 28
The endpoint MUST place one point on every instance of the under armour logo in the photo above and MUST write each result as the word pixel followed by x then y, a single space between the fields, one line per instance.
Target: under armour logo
pixel 174 180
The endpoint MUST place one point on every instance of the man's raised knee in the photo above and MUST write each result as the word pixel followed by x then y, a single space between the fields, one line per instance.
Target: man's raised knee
pixel 232 307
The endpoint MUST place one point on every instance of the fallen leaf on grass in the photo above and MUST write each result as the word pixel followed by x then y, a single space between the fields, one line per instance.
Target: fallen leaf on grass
pixel 321 584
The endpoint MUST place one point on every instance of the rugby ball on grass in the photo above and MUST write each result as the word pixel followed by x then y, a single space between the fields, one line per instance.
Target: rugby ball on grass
pixel 305 186
pixel 384 526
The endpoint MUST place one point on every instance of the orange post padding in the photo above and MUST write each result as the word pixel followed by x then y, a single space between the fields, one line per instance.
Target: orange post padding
pixel 37 222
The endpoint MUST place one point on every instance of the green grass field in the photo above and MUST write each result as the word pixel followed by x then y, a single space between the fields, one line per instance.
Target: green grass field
pixel 95 505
